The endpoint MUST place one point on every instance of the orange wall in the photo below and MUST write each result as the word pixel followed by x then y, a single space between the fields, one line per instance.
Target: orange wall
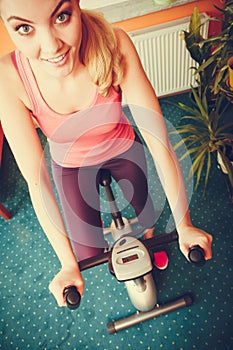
pixel 140 22
pixel 171 14
pixel 5 42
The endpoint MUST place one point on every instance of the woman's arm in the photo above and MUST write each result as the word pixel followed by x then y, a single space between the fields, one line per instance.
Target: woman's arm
pixel 147 114
pixel 26 147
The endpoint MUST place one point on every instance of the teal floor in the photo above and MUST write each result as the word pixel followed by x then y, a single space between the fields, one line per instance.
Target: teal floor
pixel 30 318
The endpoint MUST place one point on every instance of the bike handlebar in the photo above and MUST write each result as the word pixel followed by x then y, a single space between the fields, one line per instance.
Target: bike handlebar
pixel 151 243
pixel 72 297
pixel 196 256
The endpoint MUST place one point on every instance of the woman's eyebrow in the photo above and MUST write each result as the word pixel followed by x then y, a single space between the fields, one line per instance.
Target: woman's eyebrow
pixel 28 21
pixel 59 6
pixel 19 19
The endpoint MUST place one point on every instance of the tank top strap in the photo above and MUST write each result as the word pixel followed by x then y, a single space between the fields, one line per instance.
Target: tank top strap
pixel 24 70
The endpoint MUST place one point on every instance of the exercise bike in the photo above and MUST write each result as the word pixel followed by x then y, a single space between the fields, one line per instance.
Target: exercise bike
pixel 130 260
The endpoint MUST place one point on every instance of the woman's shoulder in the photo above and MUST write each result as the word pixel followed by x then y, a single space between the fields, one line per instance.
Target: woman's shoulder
pixel 7 79
pixel 120 34
pixel 10 81
pixel 5 65
pixel 8 74
pixel 124 41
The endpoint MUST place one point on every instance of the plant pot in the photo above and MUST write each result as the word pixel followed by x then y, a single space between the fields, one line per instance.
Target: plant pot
pixel 230 71
pixel 229 155
pixel 162 2
pixel 221 164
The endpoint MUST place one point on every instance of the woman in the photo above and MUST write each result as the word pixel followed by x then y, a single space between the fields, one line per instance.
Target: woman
pixel 68 73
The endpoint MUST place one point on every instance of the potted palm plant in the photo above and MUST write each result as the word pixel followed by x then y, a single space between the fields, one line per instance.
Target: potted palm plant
pixel 206 130
pixel 207 136
pixel 211 54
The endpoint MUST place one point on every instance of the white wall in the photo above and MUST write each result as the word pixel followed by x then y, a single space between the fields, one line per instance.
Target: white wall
pixel 91 4
pixel 118 10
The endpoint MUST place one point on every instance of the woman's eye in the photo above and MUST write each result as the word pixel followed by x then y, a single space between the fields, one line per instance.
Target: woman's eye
pixel 63 17
pixel 24 29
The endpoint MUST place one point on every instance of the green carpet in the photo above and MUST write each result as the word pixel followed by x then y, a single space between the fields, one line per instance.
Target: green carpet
pixel 30 318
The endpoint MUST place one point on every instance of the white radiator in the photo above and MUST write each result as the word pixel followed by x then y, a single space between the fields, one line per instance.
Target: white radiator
pixel 164 56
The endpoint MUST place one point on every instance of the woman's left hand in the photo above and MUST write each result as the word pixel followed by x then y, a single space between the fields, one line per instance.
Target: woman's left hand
pixel 190 236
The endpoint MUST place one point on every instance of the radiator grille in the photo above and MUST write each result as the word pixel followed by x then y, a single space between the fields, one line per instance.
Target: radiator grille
pixel 164 56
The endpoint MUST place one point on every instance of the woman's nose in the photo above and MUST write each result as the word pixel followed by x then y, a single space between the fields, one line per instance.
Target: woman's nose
pixel 49 43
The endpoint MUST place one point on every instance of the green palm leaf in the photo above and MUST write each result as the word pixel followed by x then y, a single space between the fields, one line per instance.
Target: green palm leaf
pixel 199 168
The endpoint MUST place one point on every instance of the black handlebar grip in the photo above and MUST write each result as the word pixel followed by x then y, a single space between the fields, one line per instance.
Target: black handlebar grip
pixel 73 297
pixel 196 255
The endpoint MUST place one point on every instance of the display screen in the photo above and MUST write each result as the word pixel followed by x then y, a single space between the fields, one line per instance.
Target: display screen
pixel 130 258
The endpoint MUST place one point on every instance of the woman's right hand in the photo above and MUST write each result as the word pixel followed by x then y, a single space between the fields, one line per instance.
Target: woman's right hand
pixel 67 276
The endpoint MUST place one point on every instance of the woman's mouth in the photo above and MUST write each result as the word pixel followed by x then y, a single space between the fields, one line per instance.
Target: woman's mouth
pixel 56 59
pixel 59 60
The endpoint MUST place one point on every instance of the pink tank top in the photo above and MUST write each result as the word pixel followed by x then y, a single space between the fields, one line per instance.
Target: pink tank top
pixel 86 137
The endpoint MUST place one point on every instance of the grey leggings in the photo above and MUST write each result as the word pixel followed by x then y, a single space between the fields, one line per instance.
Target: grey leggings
pixel 78 190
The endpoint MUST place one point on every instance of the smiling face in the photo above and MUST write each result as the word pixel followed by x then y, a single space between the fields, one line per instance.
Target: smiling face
pixel 46 31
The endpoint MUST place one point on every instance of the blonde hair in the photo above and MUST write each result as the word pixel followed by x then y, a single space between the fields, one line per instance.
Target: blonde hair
pixel 99 51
